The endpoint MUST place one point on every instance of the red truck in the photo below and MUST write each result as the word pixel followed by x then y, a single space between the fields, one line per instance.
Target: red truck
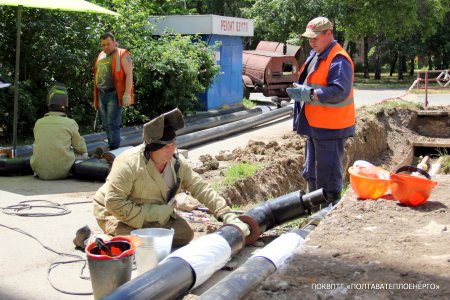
pixel 270 70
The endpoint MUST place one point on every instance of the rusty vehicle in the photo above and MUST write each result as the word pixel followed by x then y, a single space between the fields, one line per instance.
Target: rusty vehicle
pixel 271 68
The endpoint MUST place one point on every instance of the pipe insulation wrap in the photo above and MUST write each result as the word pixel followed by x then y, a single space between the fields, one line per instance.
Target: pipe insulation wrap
pixel 205 255
pixel 281 248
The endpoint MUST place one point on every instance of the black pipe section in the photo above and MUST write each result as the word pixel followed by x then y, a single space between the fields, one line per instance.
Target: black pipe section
pixel 241 282
pixel 280 210
pixel 195 138
pixel 166 281
pixel 215 112
pixel 234 237
pixel 91 169
pixel 15 166
pixel 200 124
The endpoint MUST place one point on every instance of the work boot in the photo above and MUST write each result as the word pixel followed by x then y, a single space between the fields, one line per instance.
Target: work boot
pixel 81 236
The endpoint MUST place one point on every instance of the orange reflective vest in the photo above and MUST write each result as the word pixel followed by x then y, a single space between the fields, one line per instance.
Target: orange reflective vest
pixel 329 115
pixel 118 76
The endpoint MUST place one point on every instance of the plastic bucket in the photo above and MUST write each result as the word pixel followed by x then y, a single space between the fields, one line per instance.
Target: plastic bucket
pixel 368 187
pixel 156 244
pixel 110 272
pixel 411 190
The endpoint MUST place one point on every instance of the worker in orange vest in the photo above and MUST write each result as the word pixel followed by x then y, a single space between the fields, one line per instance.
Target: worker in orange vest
pixel 113 86
pixel 324 110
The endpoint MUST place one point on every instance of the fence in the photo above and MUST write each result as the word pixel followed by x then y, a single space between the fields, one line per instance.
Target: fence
pixel 442 80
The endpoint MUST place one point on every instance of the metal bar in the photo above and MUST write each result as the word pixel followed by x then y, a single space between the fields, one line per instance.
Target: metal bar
pixel 16 80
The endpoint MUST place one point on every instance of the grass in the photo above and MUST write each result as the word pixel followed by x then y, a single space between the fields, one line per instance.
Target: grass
pixel 386 81
pixel 248 103
pixel 445 163
pixel 239 171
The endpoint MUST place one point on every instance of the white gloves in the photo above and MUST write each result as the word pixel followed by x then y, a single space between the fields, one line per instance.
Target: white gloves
pixel 126 99
pixel 231 218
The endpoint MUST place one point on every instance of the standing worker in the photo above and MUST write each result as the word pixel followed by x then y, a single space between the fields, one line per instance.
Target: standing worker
pixel 113 86
pixel 57 142
pixel 139 191
pixel 325 112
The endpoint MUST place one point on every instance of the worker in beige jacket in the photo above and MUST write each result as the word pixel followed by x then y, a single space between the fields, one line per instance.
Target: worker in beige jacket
pixel 143 181
pixel 57 142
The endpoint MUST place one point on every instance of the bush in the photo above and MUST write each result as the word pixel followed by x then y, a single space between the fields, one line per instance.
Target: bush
pixel 171 72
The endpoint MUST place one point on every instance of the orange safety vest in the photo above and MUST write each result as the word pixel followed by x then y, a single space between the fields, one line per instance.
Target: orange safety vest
pixel 118 76
pixel 329 115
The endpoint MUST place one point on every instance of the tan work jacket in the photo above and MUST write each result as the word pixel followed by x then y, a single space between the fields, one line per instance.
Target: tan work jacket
pixel 134 186
pixel 56 141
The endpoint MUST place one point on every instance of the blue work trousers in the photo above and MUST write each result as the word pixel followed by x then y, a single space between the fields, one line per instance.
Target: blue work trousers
pixel 111 117
pixel 323 164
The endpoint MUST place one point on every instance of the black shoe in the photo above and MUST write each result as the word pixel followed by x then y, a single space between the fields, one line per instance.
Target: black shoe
pixel 82 234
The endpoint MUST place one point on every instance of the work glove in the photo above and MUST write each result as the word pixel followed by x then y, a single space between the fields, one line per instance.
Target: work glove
pixel 126 99
pixel 301 93
pixel 159 213
pixel 231 218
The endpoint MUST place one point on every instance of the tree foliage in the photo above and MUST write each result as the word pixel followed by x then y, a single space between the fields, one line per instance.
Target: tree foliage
pixel 63 46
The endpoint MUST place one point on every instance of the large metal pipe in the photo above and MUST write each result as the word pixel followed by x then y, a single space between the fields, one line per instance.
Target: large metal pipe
pixel 91 169
pixel 15 166
pixel 280 210
pixel 152 287
pixel 241 282
pixel 195 138
pixel 210 122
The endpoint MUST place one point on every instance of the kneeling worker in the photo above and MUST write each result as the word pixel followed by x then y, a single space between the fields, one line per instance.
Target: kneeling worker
pixel 57 142
pixel 143 181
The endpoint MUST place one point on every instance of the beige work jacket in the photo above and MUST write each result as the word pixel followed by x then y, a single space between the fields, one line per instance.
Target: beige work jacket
pixel 56 142
pixel 134 186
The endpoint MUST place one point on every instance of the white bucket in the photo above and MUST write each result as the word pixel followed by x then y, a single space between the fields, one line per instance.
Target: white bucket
pixel 156 245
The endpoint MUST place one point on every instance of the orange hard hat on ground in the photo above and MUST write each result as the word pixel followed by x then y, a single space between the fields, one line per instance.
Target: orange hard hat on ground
pixel 410 189
pixel 369 182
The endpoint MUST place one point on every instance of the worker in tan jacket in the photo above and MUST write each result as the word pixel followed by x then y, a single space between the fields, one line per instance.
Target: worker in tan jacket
pixel 57 142
pixel 143 181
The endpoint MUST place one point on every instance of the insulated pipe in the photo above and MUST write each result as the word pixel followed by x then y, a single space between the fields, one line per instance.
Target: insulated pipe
pixel 208 254
pixel 185 268
pixel 241 282
pixel 15 166
pixel 195 138
pixel 280 210
pixel 91 169
pixel 200 124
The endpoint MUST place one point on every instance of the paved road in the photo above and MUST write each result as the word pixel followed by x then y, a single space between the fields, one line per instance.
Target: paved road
pixel 372 96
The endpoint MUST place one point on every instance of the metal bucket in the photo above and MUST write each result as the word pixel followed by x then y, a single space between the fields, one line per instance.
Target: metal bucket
pixel 110 272
pixel 156 245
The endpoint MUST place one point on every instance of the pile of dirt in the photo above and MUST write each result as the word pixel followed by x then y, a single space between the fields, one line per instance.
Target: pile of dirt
pixel 360 242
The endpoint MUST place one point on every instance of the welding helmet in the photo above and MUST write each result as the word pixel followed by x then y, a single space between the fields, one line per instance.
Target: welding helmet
pixel 57 98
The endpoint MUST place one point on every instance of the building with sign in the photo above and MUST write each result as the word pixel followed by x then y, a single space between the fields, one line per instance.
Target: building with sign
pixel 227 89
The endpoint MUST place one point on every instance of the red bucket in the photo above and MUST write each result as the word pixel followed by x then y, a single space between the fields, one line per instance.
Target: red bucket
pixel 409 189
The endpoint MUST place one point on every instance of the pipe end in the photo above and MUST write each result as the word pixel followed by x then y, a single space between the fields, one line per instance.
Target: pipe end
pixel 255 231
